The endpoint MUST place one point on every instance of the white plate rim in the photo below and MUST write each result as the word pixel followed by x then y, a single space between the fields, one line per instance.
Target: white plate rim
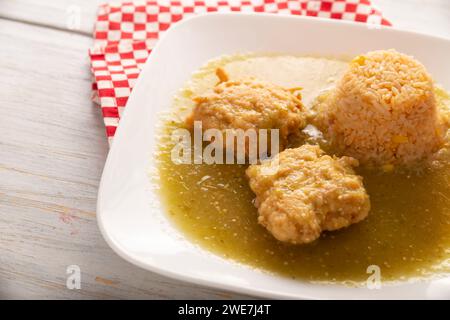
pixel 119 135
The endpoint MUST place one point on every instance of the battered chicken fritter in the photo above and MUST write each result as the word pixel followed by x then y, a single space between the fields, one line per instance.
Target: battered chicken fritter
pixel 249 104
pixel 302 191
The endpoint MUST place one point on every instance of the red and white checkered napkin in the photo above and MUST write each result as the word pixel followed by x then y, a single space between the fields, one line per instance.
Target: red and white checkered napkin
pixel 126 33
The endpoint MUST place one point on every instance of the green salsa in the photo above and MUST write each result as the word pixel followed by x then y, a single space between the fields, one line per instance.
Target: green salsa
pixel 407 233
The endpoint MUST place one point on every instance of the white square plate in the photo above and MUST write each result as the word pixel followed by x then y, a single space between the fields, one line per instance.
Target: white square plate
pixel 129 210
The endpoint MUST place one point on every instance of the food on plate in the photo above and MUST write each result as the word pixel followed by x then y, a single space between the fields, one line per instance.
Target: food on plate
pixel 302 192
pixel 383 111
pixel 249 104
pixel 310 219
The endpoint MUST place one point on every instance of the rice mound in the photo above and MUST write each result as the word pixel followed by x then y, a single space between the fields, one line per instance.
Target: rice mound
pixel 383 110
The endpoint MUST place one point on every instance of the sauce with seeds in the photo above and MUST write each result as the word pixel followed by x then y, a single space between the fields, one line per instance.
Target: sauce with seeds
pixel 407 233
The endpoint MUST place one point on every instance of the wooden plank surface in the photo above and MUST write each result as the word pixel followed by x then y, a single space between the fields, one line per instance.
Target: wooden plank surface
pixel 52 151
pixel 428 16
pixel 53 148
pixel 57 14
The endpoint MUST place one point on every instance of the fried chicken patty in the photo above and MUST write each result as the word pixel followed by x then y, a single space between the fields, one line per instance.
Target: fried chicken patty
pixel 302 192
pixel 249 104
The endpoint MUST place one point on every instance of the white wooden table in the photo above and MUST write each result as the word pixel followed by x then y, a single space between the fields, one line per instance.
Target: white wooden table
pixel 52 151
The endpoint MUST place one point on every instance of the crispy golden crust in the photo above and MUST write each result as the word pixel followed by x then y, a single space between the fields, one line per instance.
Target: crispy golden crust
pixel 302 192
pixel 249 104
